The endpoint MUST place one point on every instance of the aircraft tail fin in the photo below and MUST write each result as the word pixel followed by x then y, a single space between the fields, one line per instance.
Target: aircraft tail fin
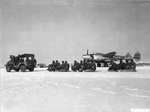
pixel 87 52
pixel 137 56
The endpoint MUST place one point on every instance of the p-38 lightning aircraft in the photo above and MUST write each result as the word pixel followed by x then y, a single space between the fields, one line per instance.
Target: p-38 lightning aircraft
pixel 104 59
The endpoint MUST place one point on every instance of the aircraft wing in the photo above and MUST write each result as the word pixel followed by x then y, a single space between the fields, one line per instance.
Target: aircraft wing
pixel 111 54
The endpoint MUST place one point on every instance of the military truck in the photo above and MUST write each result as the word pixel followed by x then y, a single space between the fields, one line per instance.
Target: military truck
pixel 21 62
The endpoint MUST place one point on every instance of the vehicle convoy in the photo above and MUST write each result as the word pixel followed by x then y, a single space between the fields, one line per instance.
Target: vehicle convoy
pixel 87 66
pixel 57 67
pixel 21 62
pixel 127 62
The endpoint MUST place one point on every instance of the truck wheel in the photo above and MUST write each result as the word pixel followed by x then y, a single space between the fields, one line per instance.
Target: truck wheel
pixel 31 69
pixel 93 67
pixel 23 68
pixel 73 68
pixel 8 68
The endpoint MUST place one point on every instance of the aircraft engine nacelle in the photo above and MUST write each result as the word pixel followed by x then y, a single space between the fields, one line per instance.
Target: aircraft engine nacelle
pixel 87 57
pixel 99 57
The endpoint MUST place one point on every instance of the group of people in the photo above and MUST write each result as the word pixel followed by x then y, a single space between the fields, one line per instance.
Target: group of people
pixel 14 59
pixel 129 64
pixel 64 66
pixel 17 59
pixel 57 66
pixel 83 65
pixel 77 65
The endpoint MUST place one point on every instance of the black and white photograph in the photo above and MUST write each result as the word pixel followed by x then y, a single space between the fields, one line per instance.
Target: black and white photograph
pixel 74 55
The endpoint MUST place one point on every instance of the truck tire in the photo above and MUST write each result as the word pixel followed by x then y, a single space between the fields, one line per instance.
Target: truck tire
pixel 73 68
pixel 93 67
pixel 23 68
pixel 8 68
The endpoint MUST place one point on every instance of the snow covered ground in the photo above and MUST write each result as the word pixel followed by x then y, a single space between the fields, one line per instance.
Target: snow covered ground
pixel 100 91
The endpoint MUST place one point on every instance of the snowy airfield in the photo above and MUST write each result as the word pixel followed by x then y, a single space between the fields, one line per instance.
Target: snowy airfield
pixel 100 91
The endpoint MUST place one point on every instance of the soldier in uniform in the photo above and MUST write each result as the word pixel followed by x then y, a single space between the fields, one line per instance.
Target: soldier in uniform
pixel 52 66
pixel 63 62
pixel 121 65
pixel 75 62
pixel 62 65
pixel 53 62
pixel 81 63
pixel 132 65
pixel 81 66
pixel 35 61
pixel 127 64
pixel 76 65
pixel 113 66
pixel 27 59
pixel 67 65
pixel 85 64
pixel 17 59
pixel 12 58
pixel 57 65
pixel 66 62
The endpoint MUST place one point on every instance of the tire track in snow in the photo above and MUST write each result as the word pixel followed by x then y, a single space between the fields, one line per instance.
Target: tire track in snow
pixel 130 89
pixel 69 85
pixel 53 83
pixel 139 96
pixel 103 91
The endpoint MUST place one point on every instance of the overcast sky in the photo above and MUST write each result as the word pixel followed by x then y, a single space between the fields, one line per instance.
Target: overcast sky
pixel 65 29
